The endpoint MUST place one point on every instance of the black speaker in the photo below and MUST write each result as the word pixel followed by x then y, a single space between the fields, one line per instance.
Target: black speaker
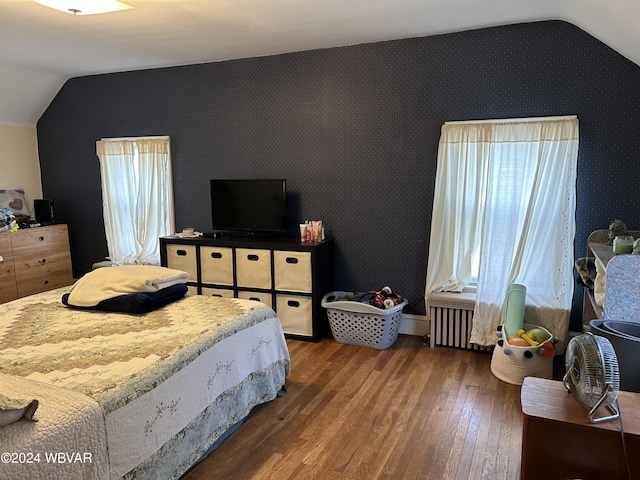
pixel 44 211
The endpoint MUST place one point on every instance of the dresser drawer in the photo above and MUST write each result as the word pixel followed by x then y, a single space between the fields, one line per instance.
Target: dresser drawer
pixel 217 292
pixel 292 271
pixel 296 314
pixel 8 290
pixel 183 257
pixel 263 297
pixel 216 265
pixel 192 290
pixel 39 242
pixel 5 246
pixel 44 273
pixel 253 268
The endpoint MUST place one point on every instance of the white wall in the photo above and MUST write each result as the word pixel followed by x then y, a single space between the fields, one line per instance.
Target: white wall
pixel 19 163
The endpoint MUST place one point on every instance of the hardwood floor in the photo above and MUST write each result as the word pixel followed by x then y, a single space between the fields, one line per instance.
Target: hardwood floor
pixel 351 412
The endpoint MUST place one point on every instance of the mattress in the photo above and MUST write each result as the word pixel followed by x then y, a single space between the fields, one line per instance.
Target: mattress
pixel 169 382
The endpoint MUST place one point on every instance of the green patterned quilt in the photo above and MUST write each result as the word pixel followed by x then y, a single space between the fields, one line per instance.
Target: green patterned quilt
pixel 114 357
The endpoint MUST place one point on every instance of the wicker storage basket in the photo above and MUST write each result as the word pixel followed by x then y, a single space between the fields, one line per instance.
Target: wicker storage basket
pixel 357 323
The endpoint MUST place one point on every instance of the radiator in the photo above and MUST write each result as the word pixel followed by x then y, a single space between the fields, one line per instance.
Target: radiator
pixel 451 316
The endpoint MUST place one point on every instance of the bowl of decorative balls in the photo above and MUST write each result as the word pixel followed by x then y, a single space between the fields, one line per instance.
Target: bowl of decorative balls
pixel 527 352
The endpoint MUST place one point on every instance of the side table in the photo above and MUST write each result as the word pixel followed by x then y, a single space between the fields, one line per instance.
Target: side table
pixel 559 441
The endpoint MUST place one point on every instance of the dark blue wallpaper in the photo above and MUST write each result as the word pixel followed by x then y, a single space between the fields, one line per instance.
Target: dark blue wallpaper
pixel 354 130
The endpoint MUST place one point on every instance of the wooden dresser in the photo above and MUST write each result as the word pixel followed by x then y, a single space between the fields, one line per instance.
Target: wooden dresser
pixel 559 442
pixel 34 260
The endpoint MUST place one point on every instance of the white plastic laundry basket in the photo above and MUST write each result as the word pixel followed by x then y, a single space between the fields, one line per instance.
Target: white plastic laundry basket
pixel 357 323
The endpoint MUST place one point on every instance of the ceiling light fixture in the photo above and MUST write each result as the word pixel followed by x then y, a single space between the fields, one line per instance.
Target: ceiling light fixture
pixel 85 7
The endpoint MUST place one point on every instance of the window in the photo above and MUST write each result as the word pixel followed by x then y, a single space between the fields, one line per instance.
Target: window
pixel 137 197
pixel 505 197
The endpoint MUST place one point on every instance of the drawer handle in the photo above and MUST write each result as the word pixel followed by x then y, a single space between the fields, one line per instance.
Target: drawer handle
pixel 43 261
pixel 216 255
pixel 181 253
pixel 292 260
pixel 46 282
pixel 41 239
pixel 216 295
pixel 293 303
pixel 253 257
pixel 255 299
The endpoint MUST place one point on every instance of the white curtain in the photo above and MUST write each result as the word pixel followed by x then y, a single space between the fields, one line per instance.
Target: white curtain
pixel 137 197
pixel 507 188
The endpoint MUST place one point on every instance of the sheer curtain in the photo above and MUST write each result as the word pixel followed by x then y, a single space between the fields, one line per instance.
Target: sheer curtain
pixel 137 197
pixel 507 190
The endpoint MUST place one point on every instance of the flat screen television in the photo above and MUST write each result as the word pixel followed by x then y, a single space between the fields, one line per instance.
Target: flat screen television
pixel 249 206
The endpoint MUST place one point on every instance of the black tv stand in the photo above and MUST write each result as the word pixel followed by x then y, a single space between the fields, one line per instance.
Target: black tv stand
pixel 288 275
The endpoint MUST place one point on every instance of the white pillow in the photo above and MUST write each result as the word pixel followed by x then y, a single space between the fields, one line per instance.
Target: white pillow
pixel 15 201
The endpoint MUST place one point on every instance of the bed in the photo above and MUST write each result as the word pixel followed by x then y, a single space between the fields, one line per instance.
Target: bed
pixel 132 396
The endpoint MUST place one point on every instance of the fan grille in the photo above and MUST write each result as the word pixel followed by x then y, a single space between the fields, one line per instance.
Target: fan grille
pixel 592 370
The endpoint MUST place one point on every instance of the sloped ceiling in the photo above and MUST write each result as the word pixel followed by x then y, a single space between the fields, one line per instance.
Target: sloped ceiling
pixel 41 48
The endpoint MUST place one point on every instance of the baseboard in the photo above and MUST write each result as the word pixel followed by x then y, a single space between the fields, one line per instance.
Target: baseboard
pixel 411 324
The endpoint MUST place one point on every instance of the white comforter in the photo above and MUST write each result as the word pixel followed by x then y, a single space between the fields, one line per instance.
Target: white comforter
pixel 69 440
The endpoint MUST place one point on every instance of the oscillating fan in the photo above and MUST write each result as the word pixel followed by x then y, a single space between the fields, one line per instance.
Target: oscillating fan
pixel 593 376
